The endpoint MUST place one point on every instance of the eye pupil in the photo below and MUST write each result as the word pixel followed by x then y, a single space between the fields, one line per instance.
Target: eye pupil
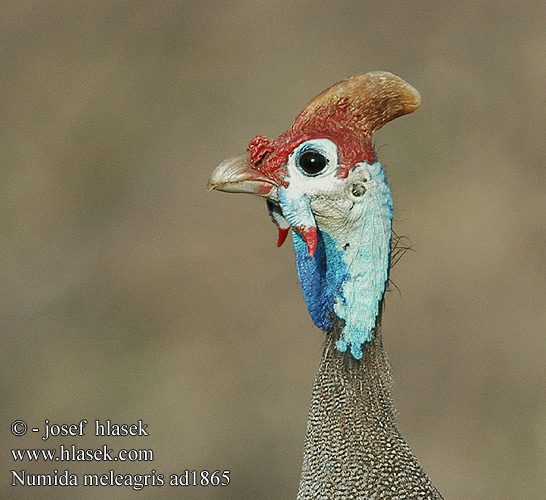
pixel 312 162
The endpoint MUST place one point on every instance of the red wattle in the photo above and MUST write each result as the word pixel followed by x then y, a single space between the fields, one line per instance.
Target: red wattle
pixel 310 237
pixel 283 233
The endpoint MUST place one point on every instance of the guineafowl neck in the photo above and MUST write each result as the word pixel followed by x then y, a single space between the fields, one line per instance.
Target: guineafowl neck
pixel 366 383
pixel 354 395
pixel 350 419
pixel 353 448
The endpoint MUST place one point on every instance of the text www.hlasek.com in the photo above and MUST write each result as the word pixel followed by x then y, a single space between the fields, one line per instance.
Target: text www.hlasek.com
pixel 73 454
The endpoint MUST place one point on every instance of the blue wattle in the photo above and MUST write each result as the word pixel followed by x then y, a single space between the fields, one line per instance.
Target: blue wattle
pixel 321 277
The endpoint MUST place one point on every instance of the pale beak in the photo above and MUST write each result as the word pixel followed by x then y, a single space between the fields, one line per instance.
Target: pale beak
pixel 236 175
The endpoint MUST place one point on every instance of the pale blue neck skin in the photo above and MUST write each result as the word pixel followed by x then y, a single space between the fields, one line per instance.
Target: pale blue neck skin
pixel 348 272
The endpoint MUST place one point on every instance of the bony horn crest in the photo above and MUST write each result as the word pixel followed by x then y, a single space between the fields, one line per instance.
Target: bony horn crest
pixel 368 101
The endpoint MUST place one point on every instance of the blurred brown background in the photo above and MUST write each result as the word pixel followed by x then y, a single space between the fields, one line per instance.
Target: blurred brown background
pixel 129 293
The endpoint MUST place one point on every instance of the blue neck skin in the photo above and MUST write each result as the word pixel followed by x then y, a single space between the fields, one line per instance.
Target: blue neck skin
pixel 348 272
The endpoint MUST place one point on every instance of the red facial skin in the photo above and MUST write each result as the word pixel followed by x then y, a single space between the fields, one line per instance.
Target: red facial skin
pixel 336 123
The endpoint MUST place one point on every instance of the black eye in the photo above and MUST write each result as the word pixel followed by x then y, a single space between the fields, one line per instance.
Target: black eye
pixel 312 162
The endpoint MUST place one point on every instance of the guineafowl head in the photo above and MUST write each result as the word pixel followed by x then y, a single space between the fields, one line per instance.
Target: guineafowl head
pixel 322 180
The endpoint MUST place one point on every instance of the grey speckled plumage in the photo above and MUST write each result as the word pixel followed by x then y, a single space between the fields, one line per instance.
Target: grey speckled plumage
pixel 353 448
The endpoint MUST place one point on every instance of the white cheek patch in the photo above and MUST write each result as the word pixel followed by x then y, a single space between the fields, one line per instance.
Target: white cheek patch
pixel 310 184
pixel 336 208
pixel 304 188
pixel 325 191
